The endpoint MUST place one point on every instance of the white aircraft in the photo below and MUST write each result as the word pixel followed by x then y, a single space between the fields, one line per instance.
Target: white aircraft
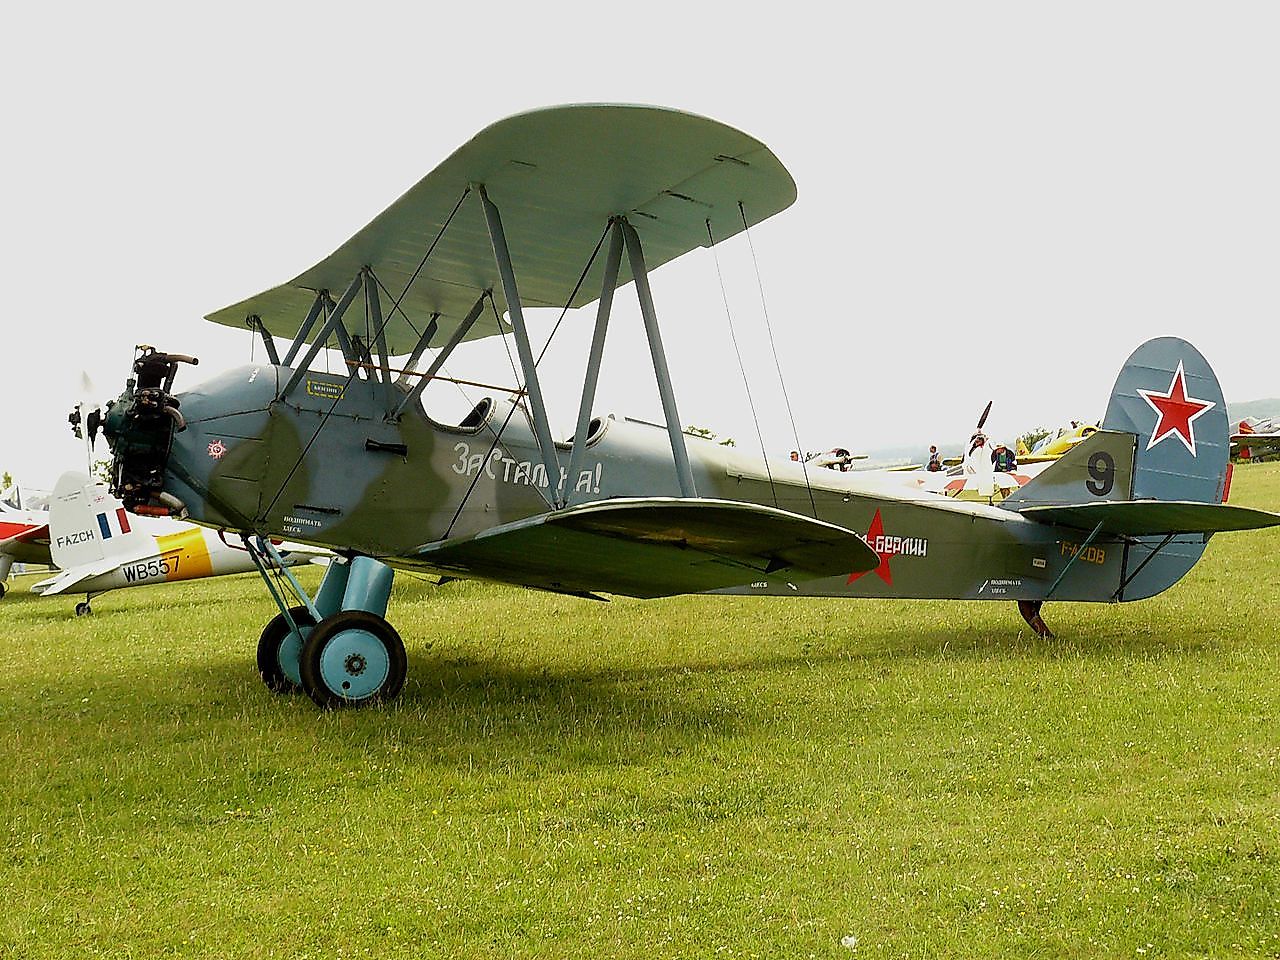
pixel 24 534
pixel 98 546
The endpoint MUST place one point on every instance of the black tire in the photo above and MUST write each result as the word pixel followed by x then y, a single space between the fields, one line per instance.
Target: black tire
pixel 274 634
pixel 353 659
pixel 83 609
pixel 4 588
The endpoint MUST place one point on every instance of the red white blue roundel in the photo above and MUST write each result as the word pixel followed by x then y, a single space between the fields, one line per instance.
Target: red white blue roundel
pixel 1176 412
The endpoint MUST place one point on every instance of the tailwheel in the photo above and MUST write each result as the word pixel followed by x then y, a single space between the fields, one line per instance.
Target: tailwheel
pixel 279 649
pixel 83 609
pixel 3 589
pixel 1030 610
pixel 352 659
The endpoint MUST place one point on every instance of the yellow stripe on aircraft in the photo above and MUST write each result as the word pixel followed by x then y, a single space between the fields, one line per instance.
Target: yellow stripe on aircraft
pixel 186 554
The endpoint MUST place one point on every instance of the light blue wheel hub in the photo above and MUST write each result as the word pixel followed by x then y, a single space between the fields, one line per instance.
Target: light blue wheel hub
pixel 354 664
pixel 291 651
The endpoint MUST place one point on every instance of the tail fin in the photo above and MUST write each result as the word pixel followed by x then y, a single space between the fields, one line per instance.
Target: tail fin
pixel 87 524
pixel 1164 437
pixel 1154 477
pixel 1168 396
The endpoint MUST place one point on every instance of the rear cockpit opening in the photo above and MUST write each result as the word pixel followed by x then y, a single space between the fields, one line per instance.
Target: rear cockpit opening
pixel 595 430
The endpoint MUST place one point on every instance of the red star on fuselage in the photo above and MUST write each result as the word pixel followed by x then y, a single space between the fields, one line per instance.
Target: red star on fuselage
pixel 876 532
pixel 1176 412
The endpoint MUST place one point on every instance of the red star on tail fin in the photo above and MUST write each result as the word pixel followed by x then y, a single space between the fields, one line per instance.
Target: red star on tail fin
pixel 1176 412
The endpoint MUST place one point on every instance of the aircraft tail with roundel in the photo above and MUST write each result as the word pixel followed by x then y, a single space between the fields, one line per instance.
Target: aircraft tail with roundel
pixel 98 546
pixel 1156 475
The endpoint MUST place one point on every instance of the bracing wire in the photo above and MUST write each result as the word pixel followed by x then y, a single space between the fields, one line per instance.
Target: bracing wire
pixel 777 364
pixel 746 385
pixel 506 344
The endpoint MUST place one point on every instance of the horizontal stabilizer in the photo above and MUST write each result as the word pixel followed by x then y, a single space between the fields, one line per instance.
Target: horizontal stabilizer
pixel 654 547
pixel 1141 518
pixel 68 579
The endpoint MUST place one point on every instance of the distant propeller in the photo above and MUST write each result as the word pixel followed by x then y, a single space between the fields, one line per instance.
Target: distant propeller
pixel 977 431
pixel 982 420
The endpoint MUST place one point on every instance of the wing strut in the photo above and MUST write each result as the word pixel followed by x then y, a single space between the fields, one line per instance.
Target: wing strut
pixel 541 426
pixel 663 376
pixel 374 306
pixel 459 334
pixel 589 382
pixel 305 330
pixel 335 318
pixel 424 341
pixel 268 341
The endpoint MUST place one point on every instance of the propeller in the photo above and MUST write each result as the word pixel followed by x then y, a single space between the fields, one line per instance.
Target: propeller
pixel 982 420
pixel 86 417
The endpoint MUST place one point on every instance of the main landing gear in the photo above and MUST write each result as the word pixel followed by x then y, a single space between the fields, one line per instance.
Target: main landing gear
pixel 338 649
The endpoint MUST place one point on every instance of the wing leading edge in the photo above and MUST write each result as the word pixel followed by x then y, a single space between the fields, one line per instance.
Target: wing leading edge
pixel 652 548
pixel 557 175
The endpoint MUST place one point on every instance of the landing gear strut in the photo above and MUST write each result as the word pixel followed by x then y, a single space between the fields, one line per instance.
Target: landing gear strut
pixel 1030 610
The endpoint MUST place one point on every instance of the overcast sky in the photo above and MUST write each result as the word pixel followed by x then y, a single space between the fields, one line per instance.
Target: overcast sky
pixel 996 200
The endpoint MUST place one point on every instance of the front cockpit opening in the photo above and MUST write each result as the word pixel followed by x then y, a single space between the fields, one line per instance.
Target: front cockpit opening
pixel 478 415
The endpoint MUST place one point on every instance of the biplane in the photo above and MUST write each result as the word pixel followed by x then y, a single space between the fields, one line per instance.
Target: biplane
pixel 562 207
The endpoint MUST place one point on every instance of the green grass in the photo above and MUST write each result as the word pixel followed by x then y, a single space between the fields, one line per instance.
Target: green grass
pixel 699 777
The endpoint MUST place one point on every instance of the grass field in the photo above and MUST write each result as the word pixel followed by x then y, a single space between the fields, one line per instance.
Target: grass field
pixel 699 777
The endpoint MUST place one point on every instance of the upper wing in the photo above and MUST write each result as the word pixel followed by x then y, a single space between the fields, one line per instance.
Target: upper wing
pixel 557 175
pixel 1140 518
pixel 653 547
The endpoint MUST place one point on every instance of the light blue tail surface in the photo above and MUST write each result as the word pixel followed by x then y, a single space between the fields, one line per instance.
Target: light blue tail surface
pixel 1164 438
pixel 1168 396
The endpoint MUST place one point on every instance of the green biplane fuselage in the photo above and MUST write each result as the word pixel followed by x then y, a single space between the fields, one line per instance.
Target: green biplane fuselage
pixel 416 494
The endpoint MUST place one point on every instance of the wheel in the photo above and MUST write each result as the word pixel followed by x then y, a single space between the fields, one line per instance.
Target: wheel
pixel 83 609
pixel 4 588
pixel 279 648
pixel 352 659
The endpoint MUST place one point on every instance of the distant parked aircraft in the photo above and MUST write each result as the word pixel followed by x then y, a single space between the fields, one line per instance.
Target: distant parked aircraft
pixel 98 546
pixel 1256 439
pixel 24 534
